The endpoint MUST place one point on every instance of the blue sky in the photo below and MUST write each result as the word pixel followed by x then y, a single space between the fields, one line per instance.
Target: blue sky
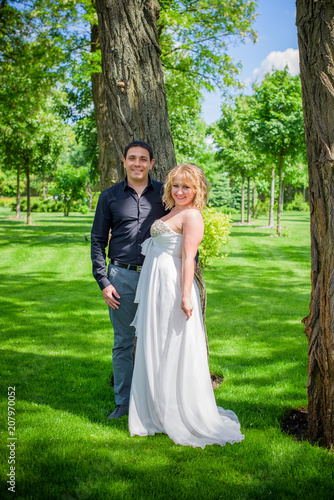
pixel 277 45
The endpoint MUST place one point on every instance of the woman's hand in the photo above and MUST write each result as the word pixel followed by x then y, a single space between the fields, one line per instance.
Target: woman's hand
pixel 187 306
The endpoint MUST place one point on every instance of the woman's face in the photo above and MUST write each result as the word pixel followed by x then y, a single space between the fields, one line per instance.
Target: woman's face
pixel 182 192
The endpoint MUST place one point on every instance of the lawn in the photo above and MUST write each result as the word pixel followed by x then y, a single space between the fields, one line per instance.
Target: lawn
pixel 56 345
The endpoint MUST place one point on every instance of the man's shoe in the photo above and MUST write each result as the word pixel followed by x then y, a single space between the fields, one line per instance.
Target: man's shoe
pixel 119 411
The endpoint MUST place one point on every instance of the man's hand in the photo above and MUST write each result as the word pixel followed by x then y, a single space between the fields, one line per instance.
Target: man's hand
pixel 110 296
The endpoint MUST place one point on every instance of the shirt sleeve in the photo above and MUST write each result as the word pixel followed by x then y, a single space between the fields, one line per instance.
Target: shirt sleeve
pixel 99 240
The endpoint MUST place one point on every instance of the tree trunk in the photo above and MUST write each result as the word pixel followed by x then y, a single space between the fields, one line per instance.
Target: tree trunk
pixel 107 154
pixel 243 200
pixel 315 23
pixel 45 189
pixel 133 79
pixel 248 201
pixel 253 199
pixel 279 207
pixel 18 200
pixel 28 196
pixel 203 296
pixel 272 198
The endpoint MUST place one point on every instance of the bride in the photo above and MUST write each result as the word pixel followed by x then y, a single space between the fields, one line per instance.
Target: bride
pixel 171 387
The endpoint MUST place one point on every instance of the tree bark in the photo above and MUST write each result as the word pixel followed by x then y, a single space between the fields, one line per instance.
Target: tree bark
pixel 107 154
pixel 18 200
pixel 253 199
pixel 279 207
pixel 45 189
pixel 198 276
pixel 248 201
pixel 28 196
pixel 133 79
pixel 272 198
pixel 315 23
pixel 243 200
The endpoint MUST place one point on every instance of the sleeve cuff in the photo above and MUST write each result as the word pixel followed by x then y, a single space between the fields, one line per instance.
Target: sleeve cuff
pixel 104 283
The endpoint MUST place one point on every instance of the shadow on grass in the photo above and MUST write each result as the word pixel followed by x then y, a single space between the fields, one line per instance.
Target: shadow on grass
pixel 54 233
pixel 56 350
pixel 60 354
pixel 210 475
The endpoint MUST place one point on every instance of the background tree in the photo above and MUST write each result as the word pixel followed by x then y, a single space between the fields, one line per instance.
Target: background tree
pixel 235 153
pixel 315 23
pixel 35 144
pixel 69 185
pixel 276 128
pixel 30 66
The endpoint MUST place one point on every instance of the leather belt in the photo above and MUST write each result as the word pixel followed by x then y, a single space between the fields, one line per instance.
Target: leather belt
pixel 131 267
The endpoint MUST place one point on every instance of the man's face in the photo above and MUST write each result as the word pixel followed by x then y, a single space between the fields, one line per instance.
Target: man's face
pixel 137 164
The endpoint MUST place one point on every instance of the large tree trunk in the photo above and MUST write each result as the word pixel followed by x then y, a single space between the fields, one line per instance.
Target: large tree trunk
pixel 18 201
pixel 315 22
pixel 107 154
pixel 272 198
pixel 133 78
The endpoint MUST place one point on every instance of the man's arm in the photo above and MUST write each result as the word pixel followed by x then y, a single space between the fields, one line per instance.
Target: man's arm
pixel 99 242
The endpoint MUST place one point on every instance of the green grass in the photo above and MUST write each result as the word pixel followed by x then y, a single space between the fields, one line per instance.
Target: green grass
pixel 56 345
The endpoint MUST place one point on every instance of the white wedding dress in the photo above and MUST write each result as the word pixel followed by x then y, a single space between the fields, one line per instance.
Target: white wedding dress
pixel 171 387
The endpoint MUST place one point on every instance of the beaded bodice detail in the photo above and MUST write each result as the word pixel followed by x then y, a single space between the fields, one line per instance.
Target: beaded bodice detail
pixel 159 227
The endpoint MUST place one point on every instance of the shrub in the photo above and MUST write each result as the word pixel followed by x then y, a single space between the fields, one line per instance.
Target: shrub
pixel 6 201
pixel 262 207
pixel 83 209
pixel 216 234
pixel 298 204
pixel 23 205
pixel 228 210
pixel 39 205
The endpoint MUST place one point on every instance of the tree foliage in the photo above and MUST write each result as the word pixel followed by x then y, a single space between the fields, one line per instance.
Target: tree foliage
pixel 69 185
pixel 235 151
pixel 194 38
pixel 276 127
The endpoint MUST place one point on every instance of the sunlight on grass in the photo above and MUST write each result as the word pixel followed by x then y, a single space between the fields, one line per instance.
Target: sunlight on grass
pixel 56 349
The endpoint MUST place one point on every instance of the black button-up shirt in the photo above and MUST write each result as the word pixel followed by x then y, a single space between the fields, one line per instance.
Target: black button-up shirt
pixel 129 217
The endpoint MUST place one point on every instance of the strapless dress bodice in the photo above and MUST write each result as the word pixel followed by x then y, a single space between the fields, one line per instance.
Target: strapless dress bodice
pixel 159 227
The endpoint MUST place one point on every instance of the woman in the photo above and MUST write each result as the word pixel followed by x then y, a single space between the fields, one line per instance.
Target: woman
pixel 171 387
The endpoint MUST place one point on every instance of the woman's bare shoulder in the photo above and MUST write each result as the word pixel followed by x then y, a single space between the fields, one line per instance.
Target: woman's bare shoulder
pixel 192 217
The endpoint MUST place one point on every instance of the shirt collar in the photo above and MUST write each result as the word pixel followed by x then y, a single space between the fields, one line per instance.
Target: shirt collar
pixel 149 185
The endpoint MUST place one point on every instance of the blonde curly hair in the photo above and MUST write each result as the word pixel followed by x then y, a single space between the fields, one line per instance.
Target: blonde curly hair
pixel 191 175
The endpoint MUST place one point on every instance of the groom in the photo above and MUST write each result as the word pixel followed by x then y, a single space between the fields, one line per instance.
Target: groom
pixel 128 209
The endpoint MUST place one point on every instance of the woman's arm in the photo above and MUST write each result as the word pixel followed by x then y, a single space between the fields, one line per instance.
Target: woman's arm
pixel 193 230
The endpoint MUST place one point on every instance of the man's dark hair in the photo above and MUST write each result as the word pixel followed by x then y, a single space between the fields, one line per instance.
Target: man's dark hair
pixel 141 144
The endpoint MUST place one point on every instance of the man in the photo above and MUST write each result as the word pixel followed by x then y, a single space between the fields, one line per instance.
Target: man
pixel 128 209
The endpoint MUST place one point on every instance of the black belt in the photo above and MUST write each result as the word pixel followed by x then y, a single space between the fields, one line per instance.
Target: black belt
pixel 131 267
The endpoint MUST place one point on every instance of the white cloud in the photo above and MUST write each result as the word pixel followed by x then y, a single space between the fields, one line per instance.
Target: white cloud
pixel 278 60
